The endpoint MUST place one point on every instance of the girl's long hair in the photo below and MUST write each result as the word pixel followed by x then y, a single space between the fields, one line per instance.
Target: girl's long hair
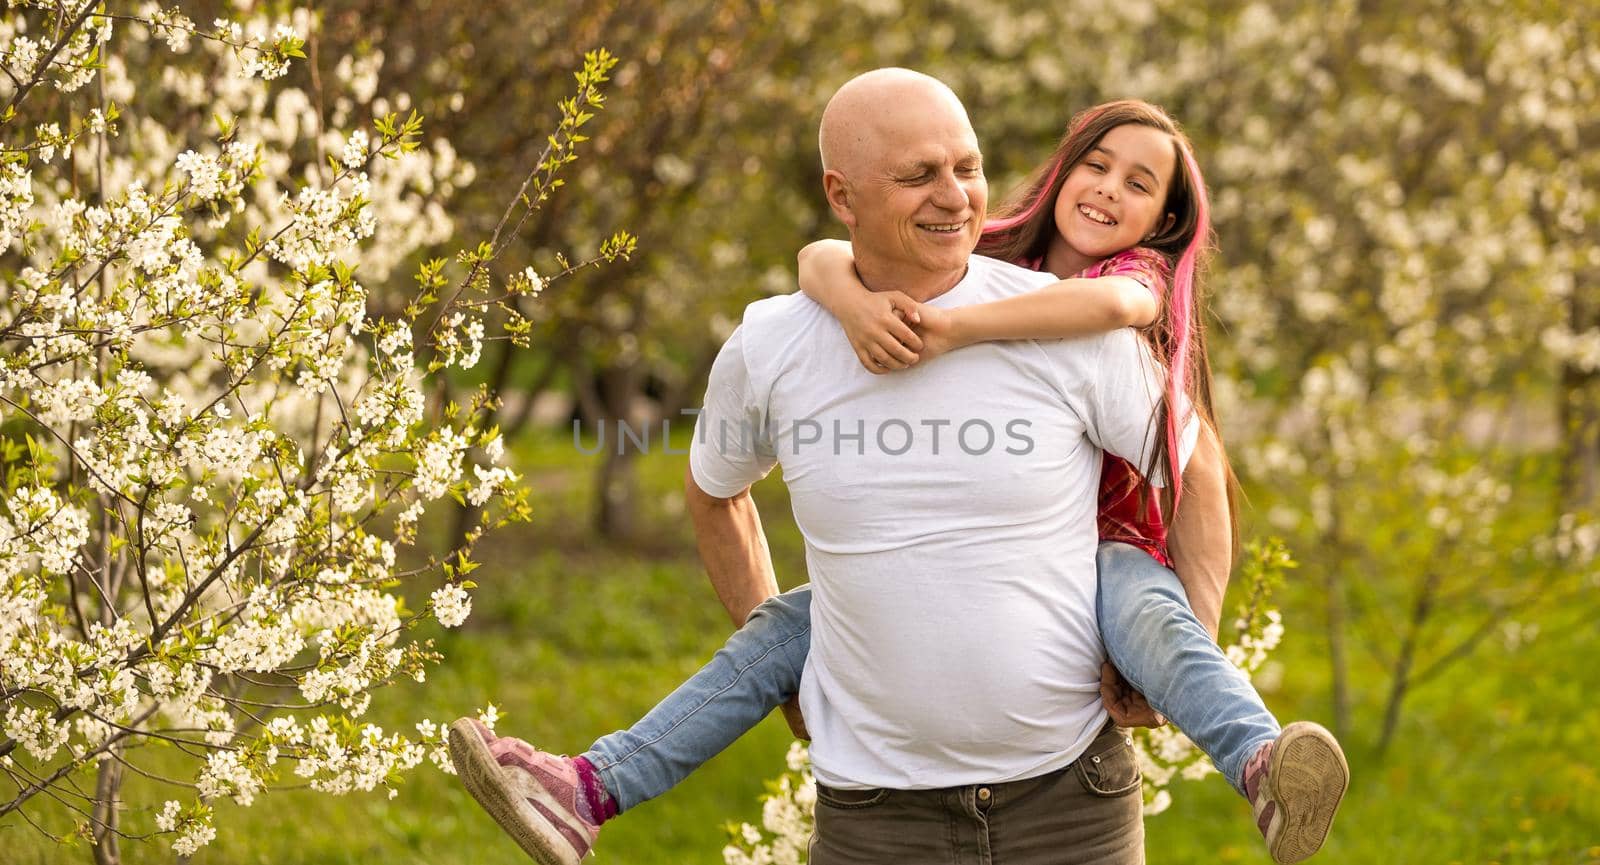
pixel 1022 227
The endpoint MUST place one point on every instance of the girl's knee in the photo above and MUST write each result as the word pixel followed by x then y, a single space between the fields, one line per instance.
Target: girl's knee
pixel 1133 574
pixel 789 612
pixel 781 626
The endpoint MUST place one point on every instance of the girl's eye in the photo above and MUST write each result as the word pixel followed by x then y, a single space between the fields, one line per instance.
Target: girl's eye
pixel 1139 186
pixel 1096 166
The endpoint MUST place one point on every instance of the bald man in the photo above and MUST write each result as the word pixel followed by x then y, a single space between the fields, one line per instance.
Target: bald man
pixel 951 688
pixel 947 656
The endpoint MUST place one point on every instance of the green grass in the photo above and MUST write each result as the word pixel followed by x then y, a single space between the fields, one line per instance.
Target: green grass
pixel 572 639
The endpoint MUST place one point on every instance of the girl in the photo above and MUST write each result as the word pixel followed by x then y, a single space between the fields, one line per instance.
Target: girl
pixel 1120 213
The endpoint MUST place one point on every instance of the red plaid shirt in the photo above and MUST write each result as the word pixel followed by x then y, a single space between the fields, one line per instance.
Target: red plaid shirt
pixel 1122 516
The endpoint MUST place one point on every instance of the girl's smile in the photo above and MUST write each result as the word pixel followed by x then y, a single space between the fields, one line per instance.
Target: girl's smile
pixel 1114 198
pixel 1096 215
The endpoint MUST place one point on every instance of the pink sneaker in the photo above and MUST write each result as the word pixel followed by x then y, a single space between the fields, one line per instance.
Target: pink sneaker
pixel 531 794
pixel 1295 784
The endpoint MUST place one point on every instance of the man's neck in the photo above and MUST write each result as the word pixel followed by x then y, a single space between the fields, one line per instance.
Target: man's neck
pixel 919 285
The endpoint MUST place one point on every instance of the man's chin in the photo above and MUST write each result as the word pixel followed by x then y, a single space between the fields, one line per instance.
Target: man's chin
pixel 942 267
pixel 951 259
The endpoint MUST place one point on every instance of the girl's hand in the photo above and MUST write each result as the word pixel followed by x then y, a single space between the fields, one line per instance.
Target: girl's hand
pixel 875 322
pixel 937 327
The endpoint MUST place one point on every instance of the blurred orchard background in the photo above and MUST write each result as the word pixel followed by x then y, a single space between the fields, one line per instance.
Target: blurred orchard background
pixel 1406 334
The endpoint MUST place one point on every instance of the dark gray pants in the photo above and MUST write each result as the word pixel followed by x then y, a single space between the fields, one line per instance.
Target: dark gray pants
pixel 1089 813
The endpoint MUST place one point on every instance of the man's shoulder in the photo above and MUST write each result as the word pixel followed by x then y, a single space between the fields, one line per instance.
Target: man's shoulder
pixel 775 327
pixel 1003 278
pixel 783 310
pixel 1099 356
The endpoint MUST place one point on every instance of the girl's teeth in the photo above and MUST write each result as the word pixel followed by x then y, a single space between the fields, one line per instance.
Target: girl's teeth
pixel 1095 215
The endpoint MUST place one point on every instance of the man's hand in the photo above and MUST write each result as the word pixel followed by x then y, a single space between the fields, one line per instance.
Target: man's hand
pixel 797 721
pixel 1128 708
pixel 1200 534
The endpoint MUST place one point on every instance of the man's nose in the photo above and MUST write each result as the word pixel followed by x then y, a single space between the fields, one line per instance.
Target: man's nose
pixel 949 194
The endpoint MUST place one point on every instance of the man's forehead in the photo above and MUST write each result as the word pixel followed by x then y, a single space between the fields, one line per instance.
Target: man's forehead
pixel 907 139
pixel 923 155
pixel 892 117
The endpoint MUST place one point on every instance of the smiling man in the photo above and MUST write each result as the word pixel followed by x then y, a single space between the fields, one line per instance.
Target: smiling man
pixel 906 177
pixel 952 687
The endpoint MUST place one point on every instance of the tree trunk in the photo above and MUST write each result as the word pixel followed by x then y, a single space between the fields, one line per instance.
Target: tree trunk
pixel 1333 585
pixel 107 808
pixel 513 426
pixel 617 494
pixel 1400 685
pixel 1580 407
pixel 606 398
pixel 1580 428
pixel 1338 614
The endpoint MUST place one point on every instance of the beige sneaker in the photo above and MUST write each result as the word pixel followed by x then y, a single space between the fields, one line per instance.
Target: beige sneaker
pixel 1295 784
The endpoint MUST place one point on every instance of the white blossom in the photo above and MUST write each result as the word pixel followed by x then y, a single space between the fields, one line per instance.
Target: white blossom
pixel 439 464
pixel 49 139
pixel 36 730
pixel 226 775
pixel 451 605
pixel 355 149
pixel 16 200
pixel 196 835
pixel 167 820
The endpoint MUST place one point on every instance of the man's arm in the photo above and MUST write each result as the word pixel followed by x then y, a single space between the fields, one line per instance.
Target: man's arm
pixel 734 550
pixel 1201 542
pixel 727 528
pixel 732 547
pixel 1200 538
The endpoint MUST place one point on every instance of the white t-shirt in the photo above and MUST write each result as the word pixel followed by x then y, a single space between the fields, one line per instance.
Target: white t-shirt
pixel 949 518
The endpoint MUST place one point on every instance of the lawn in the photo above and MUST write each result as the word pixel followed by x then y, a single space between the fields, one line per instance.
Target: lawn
pixel 571 639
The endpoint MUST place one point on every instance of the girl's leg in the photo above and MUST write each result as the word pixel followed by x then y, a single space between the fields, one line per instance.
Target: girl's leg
pixel 755 672
pixel 1293 778
pixel 1159 646
pixel 553 806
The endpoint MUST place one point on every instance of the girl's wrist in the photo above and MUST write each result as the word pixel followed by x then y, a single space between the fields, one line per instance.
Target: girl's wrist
pixel 961 332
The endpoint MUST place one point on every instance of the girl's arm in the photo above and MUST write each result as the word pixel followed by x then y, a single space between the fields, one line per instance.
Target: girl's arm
pixel 1069 308
pixel 875 322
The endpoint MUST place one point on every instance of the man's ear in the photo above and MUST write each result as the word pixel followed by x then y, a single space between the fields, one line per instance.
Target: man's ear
pixel 837 190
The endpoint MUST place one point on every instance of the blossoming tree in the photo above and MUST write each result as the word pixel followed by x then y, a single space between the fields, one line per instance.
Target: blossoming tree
pixel 213 457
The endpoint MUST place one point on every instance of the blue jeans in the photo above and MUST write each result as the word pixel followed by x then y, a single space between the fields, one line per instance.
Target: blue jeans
pixel 757 671
pixel 1158 645
pixel 1145 621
